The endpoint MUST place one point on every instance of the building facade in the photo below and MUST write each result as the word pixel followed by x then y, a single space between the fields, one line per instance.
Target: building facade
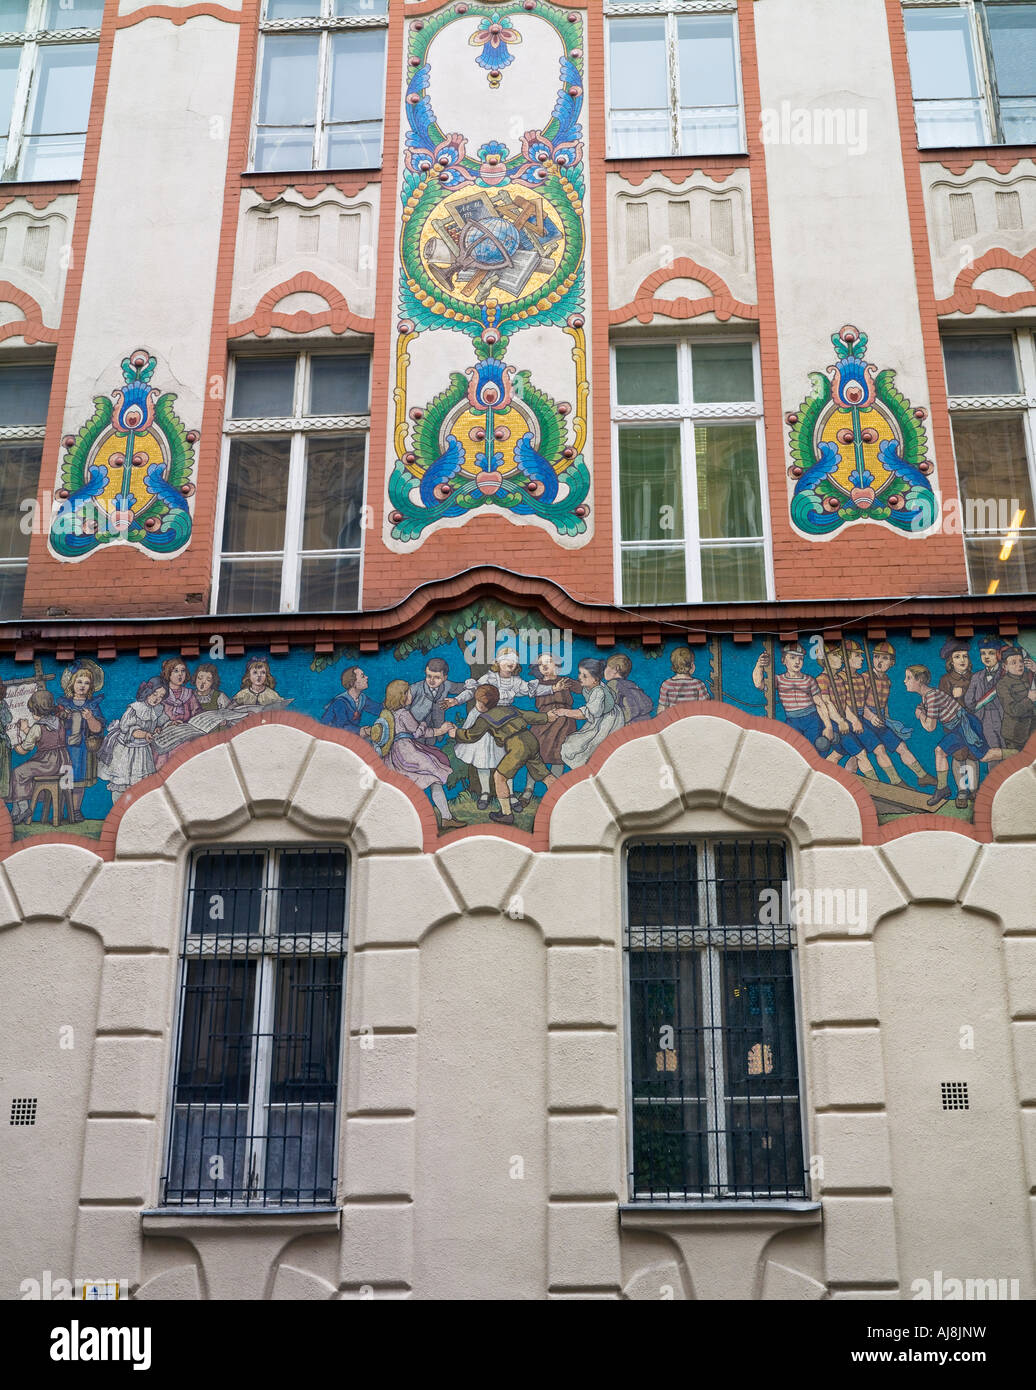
pixel 518 660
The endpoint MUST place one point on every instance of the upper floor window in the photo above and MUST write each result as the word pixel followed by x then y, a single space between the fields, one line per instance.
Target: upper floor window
pixel 320 93
pixel 711 1019
pixel 48 51
pixel 294 466
pixel 257 1073
pixel 991 379
pixel 673 81
pixel 24 397
pixel 973 69
pixel 688 445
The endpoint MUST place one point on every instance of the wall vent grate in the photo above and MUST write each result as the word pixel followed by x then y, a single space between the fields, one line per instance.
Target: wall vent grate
pixel 954 1095
pixel 23 1110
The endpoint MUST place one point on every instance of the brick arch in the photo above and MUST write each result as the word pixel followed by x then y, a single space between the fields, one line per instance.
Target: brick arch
pixel 720 302
pixel 965 298
pixel 338 316
pixel 31 326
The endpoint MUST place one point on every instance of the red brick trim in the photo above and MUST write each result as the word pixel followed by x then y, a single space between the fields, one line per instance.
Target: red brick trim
pixel 338 316
pixel 178 15
pixel 677 169
pixel 965 299
pixel 310 185
pixel 721 302
pixel 31 327
pixel 960 161
pixel 538 839
pixel 40 195
pixel 415 8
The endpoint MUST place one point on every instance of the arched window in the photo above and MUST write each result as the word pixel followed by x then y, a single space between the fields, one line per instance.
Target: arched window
pixel 258 1057
pixel 716 1112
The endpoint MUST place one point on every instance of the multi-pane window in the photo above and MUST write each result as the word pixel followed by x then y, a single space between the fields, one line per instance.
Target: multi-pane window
pixel 991 379
pixel 24 396
pixel 673 80
pixel 258 1058
pixel 688 444
pixel 295 458
pixel 320 90
pixel 48 51
pixel 973 70
pixel 716 1111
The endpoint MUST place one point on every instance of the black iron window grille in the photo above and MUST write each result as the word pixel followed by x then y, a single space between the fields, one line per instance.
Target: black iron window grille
pixel 258 1058
pixel 716 1111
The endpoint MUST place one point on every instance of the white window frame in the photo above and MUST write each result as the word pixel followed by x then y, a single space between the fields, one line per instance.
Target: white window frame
pixel 30 40
pixel 1021 403
pixel 325 24
pixel 710 943
pixel 324 945
pixel 671 11
pixel 23 434
pixel 686 415
pixel 985 70
pixel 301 427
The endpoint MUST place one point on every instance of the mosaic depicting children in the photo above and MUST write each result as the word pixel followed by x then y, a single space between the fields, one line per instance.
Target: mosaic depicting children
pixel 683 684
pixel 804 707
pixel 599 715
pixel 127 756
pixel 891 733
pixel 84 725
pixel 258 686
pixel 6 719
pixel 554 692
pixel 348 710
pixel 485 754
pixel 1017 695
pixel 962 739
pixel 403 742
pixel 181 703
pixel 836 690
pixel 206 688
pixel 45 736
pixel 636 704
pixel 510 730
pixel 981 696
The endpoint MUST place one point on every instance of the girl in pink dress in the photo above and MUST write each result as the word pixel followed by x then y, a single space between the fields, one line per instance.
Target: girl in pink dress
pixel 401 741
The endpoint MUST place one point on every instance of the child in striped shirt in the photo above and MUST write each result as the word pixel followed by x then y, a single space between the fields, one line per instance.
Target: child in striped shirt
pixel 683 684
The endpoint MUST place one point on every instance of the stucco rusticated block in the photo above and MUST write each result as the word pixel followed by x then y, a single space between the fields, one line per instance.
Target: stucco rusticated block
pixel 826 814
pixel 1023 1035
pixel 207 794
pixel 583 1245
pixel 150 829
pixel 584 1156
pixel 384 989
pixel 128 1076
pixel 640 782
pixel 382 1072
pixel 293 1285
pixel 396 898
pixel 387 822
pixel 584 988
pixel 10 914
pixel 933 866
pixel 839 982
pixel 767 777
pixel 583 1071
pixel 854 1149
pixel 134 905
pixel 1020 969
pixel 377 1244
pixel 573 897
pixel 860 1240
pixel 849 890
pixel 1014 806
pixel 848 1067
pixel 379 1158
pixel 269 759
pixel 47 879
pixel 135 993
pixel 179 1284
pixel 702 752
pixel 1005 883
pixel 1028 1119
pixel 334 786
pixel 482 870
pixel 582 820
pixel 107 1238
pixel 117 1160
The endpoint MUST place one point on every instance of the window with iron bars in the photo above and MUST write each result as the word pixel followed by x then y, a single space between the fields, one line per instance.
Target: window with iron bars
pixel 258 1057
pixel 716 1109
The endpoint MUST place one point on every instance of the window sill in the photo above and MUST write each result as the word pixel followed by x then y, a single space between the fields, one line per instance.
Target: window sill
pixel 973 152
pixel 14 188
pixel 707 161
pixel 165 1221
pixel 796 1212
pixel 371 172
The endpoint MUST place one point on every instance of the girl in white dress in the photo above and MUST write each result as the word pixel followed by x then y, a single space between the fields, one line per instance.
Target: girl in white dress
pixel 127 755
pixel 600 715
pixel 486 755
